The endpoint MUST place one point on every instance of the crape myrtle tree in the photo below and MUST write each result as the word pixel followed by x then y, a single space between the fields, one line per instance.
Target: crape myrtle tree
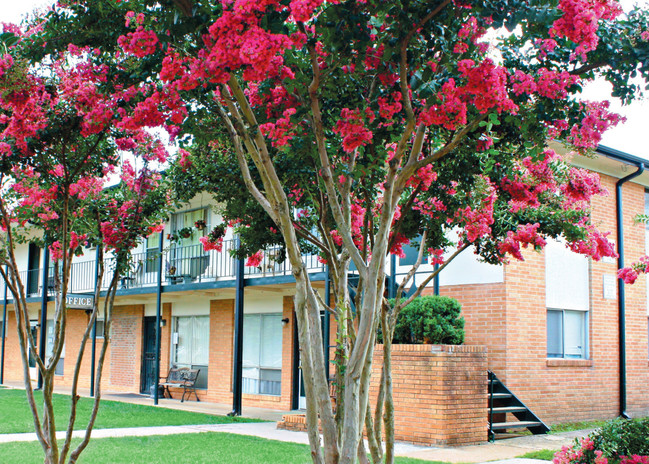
pixel 63 136
pixel 358 127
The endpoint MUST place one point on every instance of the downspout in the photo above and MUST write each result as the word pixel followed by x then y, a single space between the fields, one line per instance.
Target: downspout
pixel 158 318
pixel 620 286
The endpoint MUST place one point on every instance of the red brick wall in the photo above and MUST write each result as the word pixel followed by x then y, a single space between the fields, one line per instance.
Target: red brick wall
pixel 440 393
pixel 484 311
pixel 562 390
pixel 125 363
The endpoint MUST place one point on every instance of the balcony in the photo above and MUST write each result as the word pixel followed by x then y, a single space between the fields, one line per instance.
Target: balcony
pixel 188 265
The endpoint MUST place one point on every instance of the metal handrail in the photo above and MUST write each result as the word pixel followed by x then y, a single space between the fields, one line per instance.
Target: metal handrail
pixel 181 264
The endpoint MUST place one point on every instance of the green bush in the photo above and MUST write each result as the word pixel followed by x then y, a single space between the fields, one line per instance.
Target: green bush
pixel 623 437
pixel 430 319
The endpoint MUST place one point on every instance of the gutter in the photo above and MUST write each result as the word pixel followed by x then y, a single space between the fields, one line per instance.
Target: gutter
pixel 640 164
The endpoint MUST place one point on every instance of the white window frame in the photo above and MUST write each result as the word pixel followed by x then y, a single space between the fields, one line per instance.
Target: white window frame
pixel 261 368
pixel 583 343
pixel 204 374
pixel 567 289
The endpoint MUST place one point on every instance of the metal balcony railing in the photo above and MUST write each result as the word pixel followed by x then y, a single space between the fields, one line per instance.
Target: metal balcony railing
pixel 180 265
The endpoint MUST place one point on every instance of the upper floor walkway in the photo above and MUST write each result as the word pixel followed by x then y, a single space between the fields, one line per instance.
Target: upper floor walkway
pixel 183 268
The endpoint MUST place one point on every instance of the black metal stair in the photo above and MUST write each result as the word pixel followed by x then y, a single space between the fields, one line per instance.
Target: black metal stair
pixel 504 405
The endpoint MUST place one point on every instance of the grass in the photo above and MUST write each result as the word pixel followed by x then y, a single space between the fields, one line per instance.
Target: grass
pixel 545 455
pixel 195 448
pixel 15 416
pixel 571 426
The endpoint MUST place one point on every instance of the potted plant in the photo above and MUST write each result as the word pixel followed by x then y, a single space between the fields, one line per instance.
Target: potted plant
pixel 200 224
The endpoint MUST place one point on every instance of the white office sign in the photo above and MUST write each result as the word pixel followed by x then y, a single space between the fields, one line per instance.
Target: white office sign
pixel 610 287
pixel 78 301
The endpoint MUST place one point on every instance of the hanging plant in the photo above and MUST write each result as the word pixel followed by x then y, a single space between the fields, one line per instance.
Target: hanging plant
pixel 214 240
pixel 185 232
pixel 200 224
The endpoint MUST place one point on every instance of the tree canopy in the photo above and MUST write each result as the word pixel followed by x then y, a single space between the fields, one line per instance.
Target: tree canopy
pixel 360 126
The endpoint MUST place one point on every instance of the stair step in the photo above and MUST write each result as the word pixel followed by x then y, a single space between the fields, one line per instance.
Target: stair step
pixel 509 409
pixel 501 396
pixel 514 425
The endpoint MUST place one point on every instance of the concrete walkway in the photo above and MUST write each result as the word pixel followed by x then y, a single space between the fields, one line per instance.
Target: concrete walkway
pixel 501 452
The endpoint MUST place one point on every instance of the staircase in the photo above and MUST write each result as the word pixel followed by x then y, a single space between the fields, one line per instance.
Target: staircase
pixel 507 412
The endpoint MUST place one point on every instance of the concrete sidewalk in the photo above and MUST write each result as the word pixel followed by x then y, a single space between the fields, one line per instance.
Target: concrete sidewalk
pixel 500 452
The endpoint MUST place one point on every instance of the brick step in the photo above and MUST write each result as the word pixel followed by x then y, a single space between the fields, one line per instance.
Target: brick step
pixel 509 409
pixel 514 425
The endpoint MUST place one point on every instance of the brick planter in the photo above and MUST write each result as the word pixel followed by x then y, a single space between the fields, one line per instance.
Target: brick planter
pixel 440 394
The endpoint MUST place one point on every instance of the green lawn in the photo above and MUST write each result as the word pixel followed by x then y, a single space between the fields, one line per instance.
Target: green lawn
pixel 545 455
pixel 193 448
pixel 570 426
pixel 15 416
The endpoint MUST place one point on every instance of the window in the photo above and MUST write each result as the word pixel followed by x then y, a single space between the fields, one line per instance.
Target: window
pixel 567 334
pixel 152 246
pixel 262 354
pixel 567 298
pixel 187 219
pixel 100 328
pixel 2 323
pixel 190 345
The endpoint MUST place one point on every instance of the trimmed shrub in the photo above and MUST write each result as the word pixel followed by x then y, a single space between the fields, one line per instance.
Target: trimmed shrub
pixel 623 437
pixel 430 319
pixel 619 441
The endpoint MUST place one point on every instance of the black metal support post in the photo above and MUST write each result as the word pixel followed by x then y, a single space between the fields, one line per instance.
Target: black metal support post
pixel 620 285
pixel 326 325
pixel 93 352
pixel 4 333
pixel 43 323
pixel 392 288
pixel 436 281
pixel 237 385
pixel 158 309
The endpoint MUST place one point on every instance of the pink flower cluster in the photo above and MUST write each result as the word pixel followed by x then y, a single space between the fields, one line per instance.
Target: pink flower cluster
pixel 630 274
pixel 598 119
pixel 477 222
pixel 139 43
pixel 533 179
pixel 583 453
pixel 351 128
pixel 525 235
pixel 596 245
pixel 255 259
pixel 579 22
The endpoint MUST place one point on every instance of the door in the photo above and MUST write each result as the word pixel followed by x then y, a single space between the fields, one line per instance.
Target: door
pixel 33 263
pixel 148 356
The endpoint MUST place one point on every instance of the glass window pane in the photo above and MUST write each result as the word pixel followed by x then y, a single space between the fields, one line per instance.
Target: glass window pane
pixel 250 380
pixel 555 334
pixel 201 340
pixel 183 347
pixel 574 340
pixel 251 328
pixel 271 341
pixel 201 380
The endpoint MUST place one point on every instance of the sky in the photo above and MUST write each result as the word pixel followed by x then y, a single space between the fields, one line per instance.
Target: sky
pixel 630 137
